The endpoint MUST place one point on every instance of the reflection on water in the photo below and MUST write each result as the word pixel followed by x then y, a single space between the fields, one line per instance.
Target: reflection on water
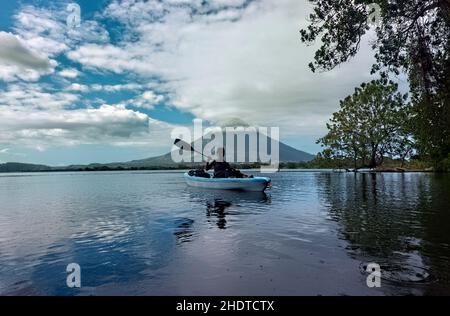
pixel 184 231
pixel 401 221
pixel 219 202
pixel 143 233
pixel 217 209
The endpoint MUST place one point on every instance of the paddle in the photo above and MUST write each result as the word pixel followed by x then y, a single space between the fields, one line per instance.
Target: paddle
pixel 185 146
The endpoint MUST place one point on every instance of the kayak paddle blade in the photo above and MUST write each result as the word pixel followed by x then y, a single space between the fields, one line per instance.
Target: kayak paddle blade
pixel 182 144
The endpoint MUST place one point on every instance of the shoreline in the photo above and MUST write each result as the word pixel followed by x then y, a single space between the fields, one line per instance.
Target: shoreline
pixel 387 170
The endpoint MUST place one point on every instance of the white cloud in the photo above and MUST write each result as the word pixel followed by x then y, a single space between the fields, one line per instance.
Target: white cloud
pixel 14 51
pixel 70 73
pixel 17 61
pixel 46 30
pixel 35 96
pixel 88 31
pixel 78 87
pixel 41 29
pixel 11 73
pixel 34 116
pixel 76 120
pixel 109 57
pixel 116 87
pixel 41 35
pixel 227 3
pixel 107 124
pixel 112 88
pixel 218 60
pixel 253 66
pixel 148 99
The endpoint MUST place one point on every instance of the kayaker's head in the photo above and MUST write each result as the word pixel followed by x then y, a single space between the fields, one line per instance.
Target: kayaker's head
pixel 220 154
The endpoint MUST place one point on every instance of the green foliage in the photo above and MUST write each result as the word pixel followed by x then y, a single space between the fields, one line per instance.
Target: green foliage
pixel 326 160
pixel 367 127
pixel 444 164
pixel 412 37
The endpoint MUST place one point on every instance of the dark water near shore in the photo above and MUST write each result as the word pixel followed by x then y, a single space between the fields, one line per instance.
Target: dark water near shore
pixel 144 233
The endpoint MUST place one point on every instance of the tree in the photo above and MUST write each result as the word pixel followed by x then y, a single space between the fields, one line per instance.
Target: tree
pixel 403 145
pixel 412 36
pixel 366 128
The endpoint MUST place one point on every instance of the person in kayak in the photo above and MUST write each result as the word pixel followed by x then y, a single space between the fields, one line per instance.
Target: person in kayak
pixel 222 169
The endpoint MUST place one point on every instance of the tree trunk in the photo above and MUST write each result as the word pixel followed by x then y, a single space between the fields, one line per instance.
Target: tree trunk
pixel 373 157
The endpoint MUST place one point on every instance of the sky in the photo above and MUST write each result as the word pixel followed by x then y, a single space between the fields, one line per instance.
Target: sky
pixel 114 87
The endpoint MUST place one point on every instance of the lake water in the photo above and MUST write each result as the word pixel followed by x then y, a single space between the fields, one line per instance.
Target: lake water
pixel 147 233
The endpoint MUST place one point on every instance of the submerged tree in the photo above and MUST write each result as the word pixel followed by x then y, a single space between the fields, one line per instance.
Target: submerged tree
pixel 366 128
pixel 412 36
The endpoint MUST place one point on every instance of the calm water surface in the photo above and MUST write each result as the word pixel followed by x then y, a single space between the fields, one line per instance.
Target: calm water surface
pixel 147 233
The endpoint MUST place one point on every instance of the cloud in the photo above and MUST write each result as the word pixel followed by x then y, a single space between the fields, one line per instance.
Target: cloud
pixel 117 87
pixel 151 97
pixel 40 36
pixel 70 73
pixel 35 96
pixel 114 88
pixel 88 31
pixel 78 87
pixel 106 124
pixel 109 57
pixel 17 61
pixel 35 116
pixel 251 64
pixel 46 30
pixel 79 119
pixel 146 100
pixel 40 115
pixel 41 29
pixel 14 51
pixel 215 59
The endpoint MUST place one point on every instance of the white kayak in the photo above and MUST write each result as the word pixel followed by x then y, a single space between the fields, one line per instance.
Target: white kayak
pixel 245 184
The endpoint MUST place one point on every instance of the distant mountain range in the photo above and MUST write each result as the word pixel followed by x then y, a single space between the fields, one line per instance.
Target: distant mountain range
pixel 287 154
pixel 22 167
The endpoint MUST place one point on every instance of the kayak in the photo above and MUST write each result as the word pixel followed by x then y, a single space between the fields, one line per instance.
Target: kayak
pixel 245 184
